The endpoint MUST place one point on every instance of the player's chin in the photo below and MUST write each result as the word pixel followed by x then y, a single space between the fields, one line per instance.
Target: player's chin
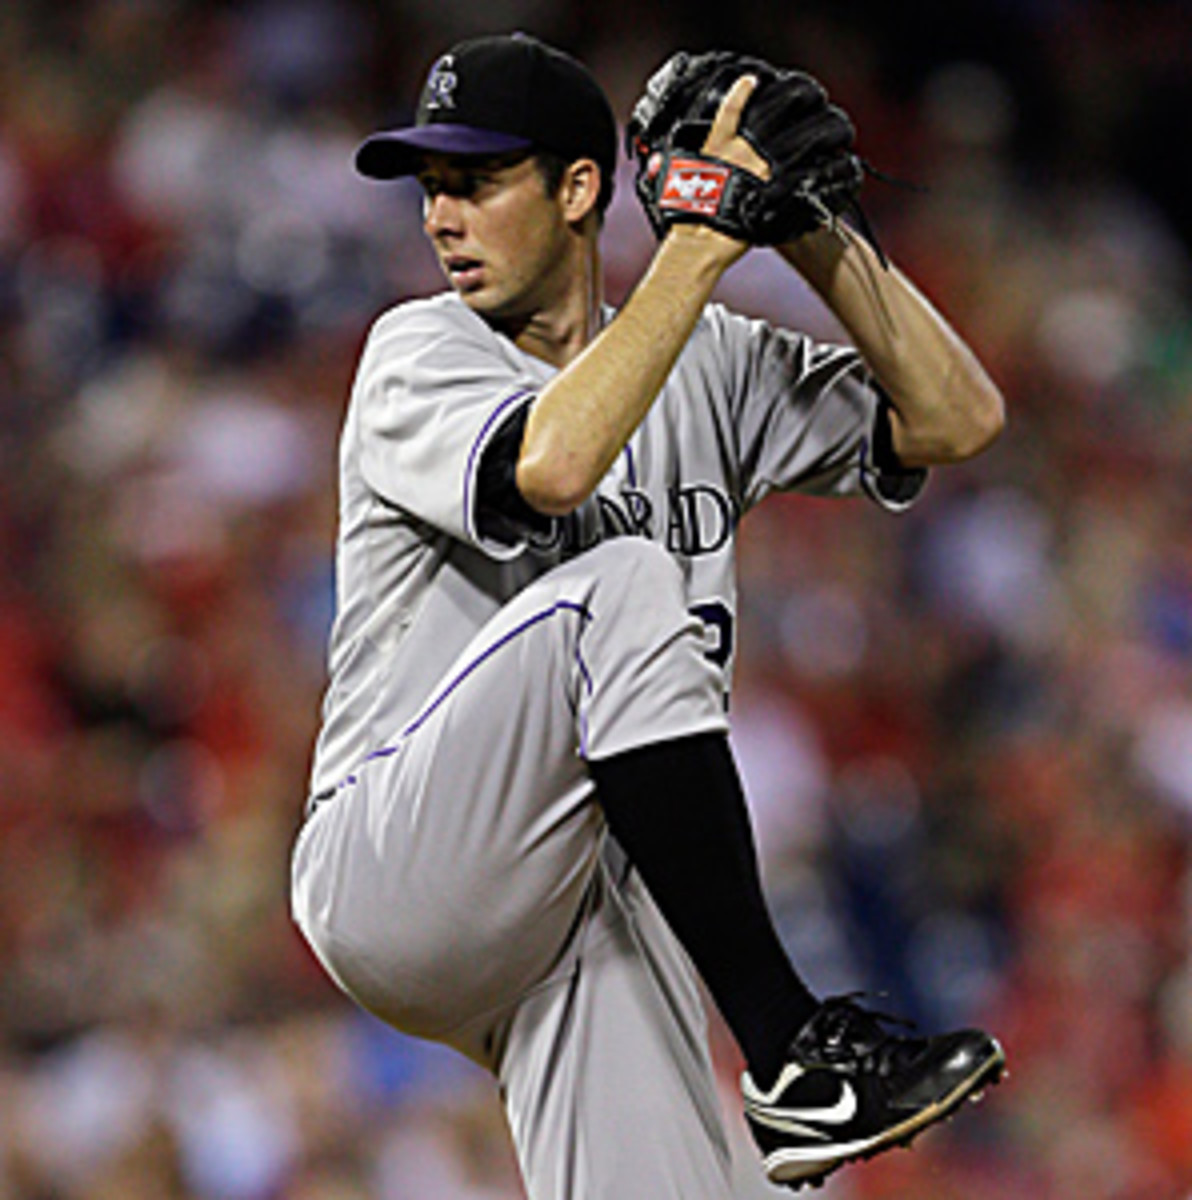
pixel 476 300
pixel 472 290
pixel 484 301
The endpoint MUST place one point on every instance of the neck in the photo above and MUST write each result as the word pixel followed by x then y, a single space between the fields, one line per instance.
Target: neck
pixel 558 331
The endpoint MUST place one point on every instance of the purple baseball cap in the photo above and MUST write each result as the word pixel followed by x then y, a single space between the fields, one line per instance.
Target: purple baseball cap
pixel 492 95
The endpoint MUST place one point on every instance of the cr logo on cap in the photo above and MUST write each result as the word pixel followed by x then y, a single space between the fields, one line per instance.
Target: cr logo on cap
pixel 441 83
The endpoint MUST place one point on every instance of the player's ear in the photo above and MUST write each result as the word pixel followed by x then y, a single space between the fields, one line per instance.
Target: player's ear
pixel 580 189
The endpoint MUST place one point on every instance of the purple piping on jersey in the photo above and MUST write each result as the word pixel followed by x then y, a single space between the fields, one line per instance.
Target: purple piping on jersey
pixel 631 469
pixel 481 438
pixel 504 640
pixel 528 623
pixel 587 677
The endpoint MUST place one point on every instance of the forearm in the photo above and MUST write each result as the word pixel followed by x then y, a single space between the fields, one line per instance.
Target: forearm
pixel 946 406
pixel 582 420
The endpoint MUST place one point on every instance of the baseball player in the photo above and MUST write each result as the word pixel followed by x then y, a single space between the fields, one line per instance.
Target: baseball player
pixel 526 835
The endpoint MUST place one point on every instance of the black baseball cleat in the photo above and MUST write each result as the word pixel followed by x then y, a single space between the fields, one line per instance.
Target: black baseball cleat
pixel 850 1089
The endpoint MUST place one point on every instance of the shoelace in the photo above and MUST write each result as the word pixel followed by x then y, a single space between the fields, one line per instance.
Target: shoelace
pixel 863 1034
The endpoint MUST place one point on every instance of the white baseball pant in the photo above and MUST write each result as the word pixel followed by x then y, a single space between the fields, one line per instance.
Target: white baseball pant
pixel 461 887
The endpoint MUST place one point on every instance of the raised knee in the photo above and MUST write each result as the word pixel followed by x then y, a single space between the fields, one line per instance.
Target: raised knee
pixel 396 979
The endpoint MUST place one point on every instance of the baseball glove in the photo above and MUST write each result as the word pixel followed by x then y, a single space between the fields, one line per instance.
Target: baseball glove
pixel 806 141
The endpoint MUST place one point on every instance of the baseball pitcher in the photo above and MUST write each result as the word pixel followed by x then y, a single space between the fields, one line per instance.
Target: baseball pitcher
pixel 526 836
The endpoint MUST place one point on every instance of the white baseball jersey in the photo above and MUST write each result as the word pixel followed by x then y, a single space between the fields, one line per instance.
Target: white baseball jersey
pixel 747 410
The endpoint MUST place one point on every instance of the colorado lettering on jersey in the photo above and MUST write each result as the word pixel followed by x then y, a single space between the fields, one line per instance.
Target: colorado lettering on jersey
pixel 698 519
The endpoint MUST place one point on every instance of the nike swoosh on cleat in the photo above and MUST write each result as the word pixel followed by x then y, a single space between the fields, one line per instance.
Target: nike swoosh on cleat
pixel 842 1111
pixel 779 1125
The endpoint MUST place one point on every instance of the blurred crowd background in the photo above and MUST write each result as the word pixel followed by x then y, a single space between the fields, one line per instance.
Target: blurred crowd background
pixel 967 731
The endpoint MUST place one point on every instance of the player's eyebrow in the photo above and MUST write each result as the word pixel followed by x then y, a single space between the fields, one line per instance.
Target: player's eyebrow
pixel 460 172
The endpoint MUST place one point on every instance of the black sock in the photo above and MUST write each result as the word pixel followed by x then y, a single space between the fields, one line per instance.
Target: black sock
pixel 679 813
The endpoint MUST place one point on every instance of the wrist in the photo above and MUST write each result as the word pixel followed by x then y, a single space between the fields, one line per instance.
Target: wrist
pixel 703 245
pixel 821 248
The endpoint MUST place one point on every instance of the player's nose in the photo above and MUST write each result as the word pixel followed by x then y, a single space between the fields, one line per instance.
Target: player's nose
pixel 440 213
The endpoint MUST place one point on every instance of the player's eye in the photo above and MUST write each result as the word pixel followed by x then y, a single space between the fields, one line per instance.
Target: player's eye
pixel 470 182
pixel 461 185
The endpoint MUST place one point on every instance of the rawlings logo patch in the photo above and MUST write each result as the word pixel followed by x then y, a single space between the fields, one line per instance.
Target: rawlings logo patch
pixel 693 185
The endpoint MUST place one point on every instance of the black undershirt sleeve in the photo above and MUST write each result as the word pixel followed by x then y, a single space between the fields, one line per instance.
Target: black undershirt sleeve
pixel 884 457
pixel 502 513
pixel 895 483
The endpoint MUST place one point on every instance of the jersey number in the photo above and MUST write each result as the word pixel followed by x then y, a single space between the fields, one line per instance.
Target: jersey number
pixel 718 619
